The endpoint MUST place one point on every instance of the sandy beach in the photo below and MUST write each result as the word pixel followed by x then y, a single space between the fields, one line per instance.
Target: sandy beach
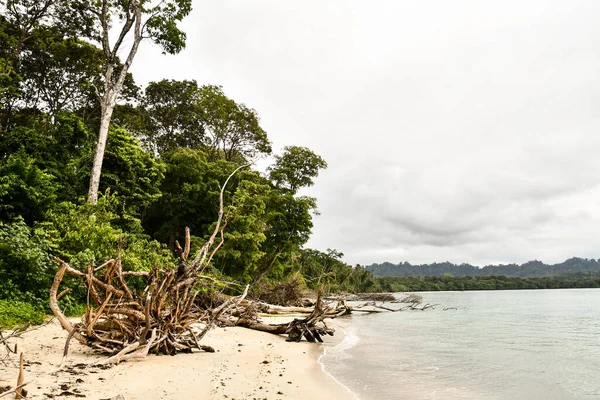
pixel 246 364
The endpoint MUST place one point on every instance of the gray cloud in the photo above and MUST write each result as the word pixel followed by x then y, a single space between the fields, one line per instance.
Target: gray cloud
pixel 463 131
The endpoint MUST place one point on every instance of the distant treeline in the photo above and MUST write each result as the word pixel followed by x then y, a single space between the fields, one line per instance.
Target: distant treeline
pixel 452 283
pixel 530 269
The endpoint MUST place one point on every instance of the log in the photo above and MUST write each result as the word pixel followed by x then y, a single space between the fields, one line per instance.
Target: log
pixel 312 327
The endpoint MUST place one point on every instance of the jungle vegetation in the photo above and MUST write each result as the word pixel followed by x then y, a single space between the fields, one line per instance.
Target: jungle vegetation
pixel 89 158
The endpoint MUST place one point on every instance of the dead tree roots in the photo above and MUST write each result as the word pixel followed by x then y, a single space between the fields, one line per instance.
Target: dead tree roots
pixel 128 324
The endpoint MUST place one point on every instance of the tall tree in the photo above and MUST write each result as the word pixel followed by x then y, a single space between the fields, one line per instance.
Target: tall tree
pixel 182 114
pixel 296 168
pixel 232 130
pixel 290 221
pixel 138 20
pixel 57 72
pixel 171 116
pixel 18 20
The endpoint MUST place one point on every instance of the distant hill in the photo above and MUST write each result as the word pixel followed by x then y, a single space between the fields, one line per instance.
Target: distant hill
pixel 575 267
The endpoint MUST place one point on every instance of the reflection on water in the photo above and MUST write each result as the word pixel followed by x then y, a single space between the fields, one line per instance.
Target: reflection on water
pixel 542 344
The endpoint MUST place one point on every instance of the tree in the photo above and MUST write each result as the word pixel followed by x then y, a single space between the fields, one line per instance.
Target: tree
pixel 288 227
pixel 190 194
pixel 296 168
pixel 25 190
pixel 242 251
pixel 181 114
pixel 139 19
pixel 57 72
pixel 133 174
pixel 232 130
pixel 63 150
pixel 290 219
pixel 25 263
pixel 171 116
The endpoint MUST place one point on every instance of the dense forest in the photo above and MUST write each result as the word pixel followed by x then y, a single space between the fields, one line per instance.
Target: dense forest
pixel 90 159
pixel 452 283
pixel 530 269
pixel 573 273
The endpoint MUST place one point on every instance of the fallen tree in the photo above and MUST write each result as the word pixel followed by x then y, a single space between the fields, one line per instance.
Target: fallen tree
pixel 312 327
pixel 363 297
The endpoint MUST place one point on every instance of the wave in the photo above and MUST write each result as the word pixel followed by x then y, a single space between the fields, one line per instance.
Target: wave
pixel 350 340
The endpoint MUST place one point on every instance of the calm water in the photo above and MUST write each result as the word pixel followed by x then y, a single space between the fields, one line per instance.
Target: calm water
pixel 534 344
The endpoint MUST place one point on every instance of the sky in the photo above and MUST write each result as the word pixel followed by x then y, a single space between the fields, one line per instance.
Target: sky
pixel 463 131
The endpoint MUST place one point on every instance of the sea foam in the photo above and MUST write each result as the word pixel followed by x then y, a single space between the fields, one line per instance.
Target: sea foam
pixel 337 352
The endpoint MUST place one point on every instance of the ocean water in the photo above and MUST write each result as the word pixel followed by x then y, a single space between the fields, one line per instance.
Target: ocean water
pixel 526 344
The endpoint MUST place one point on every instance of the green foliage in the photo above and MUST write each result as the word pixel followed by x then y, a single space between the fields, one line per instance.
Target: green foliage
pixel 13 313
pixel 25 190
pixel 57 72
pixel 170 116
pixel 499 282
pixel 288 227
pixel 87 234
pixel 296 168
pixel 233 130
pixel 327 271
pixel 245 233
pixel 190 195
pixel 132 174
pixel 162 24
pixel 181 114
pixel 529 269
pixel 26 269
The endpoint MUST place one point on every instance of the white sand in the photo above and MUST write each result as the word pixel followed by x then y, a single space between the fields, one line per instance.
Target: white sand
pixel 246 365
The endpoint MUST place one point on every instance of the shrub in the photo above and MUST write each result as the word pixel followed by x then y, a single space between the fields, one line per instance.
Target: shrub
pixel 13 312
pixel 26 269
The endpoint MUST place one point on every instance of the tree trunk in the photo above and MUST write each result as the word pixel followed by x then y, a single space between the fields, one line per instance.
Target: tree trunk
pixel 107 111
pixel 112 89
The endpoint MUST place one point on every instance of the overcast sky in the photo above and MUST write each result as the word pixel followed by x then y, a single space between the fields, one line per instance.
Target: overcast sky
pixel 466 131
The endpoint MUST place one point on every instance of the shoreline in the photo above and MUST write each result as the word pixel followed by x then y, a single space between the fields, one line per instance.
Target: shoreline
pixel 326 348
pixel 246 364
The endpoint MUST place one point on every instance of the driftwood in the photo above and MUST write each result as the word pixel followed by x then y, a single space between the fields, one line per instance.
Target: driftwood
pixel 379 308
pixel 9 349
pixel 312 327
pixel 126 324
pixel 383 297
pixel 6 337
pixel 411 298
pixel 15 390
pixel 20 392
pixel 364 297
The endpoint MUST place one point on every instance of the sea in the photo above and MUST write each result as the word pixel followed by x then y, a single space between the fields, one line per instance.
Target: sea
pixel 522 344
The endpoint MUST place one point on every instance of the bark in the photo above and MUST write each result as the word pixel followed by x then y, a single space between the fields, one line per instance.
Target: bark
pixel 108 107
pixel 112 89
pixel 56 309
pixel 20 393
